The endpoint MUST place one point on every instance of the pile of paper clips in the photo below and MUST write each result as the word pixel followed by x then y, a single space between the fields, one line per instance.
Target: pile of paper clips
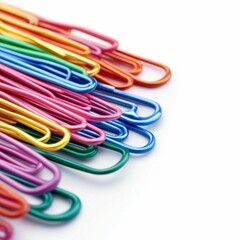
pixel 62 98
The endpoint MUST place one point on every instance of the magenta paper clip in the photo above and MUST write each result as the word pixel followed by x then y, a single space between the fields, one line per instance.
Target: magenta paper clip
pixel 20 77
pixel 87 106
pixel 26 99
pixel 10 166
pixel 32 166
pixel 6 230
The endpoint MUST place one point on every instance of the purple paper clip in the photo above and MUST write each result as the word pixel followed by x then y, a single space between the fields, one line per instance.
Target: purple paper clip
pixel 13 155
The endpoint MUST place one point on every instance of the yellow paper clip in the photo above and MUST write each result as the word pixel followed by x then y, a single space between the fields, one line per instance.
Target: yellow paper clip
pixel 12 114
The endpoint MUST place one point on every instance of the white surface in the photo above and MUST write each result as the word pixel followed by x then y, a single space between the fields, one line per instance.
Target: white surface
pixel 188 187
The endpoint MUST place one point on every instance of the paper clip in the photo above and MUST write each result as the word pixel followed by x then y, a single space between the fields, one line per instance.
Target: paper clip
pixel 93 67
pixel 11 204
pixel 71 213
pixel 132 149
pixel 108 54
pixel 96 49
pixel 48 71
pixel 34 51
pixel 136 120
pixel 122 57
pixel 112 43
pixel 162 80
pixel 84 168
pixel 16 114
pixel 9 156
pixel 38 211
pixel 72 104
pixel 115 96
pixel 64 50
pixel 98 139
pixel 72 150
pixel 128 100
pixel 68 31
pixel 6 230
pixel 35 20
pixel 8 164
pixel 18 96
pixel 113 130
pixel 6 18
pixel 107 70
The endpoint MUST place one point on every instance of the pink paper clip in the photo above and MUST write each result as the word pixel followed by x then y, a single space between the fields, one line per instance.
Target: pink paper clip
pixel 60 105
pixel 83 105
pixel 6 230
pixel 82 139
pixel 113 43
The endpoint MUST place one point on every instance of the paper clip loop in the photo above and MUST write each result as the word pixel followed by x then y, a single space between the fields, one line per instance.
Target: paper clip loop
pixel 6 230
pixel 128 100
pixel 9 165
pixel 73 149
pixel 38 211
pixel 18 114
pixel 132 149
pixel 11 204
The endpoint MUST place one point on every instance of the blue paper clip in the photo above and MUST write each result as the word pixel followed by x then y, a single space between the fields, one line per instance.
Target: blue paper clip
pixel 141 131
pixel 113 129
pixel 130 101
pixel 48 71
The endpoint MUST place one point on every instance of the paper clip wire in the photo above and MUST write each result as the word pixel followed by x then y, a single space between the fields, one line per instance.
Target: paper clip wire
pixel 6 230
pixel 39 68
pixel 34 51
pixel 132 149
pixel 38 211
pixel 11 167
pixel 108 55
pixel 130 101
pixel 6 18
pixel 28 118
pixel 88 106
pixel 6 30
pixel 35 20
pixel 73 148
pixel 11 204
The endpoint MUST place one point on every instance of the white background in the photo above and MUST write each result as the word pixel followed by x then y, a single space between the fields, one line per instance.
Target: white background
pixel 188 186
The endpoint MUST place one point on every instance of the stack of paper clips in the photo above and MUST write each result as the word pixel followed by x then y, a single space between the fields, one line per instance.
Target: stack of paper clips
pixel 61 99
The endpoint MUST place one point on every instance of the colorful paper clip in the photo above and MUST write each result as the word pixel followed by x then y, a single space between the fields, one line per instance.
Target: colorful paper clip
pixel 42 69
pixel 131 102
pixel 98 139
pixel 123 99
pixel 14 113
pixel 109 54
pixel 11 204
pixel 85 107
pixel 72 149
pixel 39 211
pixel 61 101
pixel 23 154
pixel 101 54
pixel 132 149
pixel 6 230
